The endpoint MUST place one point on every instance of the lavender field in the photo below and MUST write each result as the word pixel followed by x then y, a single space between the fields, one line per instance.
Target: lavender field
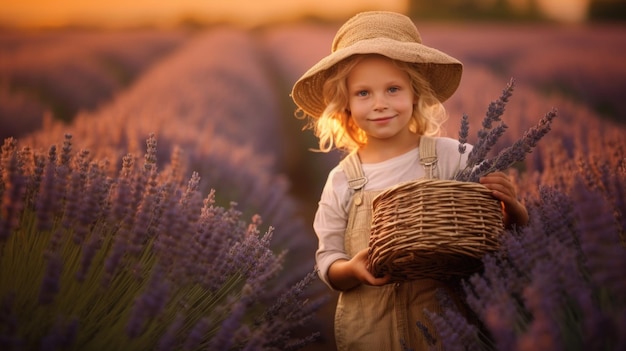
pixel 162 177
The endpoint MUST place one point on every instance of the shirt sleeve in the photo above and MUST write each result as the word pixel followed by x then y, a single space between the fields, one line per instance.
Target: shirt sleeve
pixel 330 223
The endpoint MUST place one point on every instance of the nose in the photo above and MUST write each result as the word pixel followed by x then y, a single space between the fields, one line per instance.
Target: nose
pixel 380 102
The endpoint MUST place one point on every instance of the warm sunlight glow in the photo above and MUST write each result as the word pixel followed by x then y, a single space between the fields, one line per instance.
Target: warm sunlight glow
pixel 571 11
pixel 121 12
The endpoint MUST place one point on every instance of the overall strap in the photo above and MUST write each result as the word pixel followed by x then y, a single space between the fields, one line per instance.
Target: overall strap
pixel 351 165
pixel 428 156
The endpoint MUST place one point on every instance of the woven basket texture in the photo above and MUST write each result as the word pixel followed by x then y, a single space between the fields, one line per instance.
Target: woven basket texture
pixel 433 228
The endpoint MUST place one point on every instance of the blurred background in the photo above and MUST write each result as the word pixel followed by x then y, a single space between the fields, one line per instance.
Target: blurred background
pixel 117 13
pixel 212 80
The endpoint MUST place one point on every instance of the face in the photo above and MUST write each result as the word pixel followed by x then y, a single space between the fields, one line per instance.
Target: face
pixel 380 99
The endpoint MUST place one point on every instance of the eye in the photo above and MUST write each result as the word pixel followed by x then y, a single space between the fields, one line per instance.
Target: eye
pixel 394 89
pixel 362 93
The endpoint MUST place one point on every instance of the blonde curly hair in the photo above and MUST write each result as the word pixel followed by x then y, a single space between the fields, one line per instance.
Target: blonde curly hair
pixel 336 129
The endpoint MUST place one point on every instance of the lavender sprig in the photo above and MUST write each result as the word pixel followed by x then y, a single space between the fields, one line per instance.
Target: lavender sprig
pixel 494 114
pixel 463 133
pixel 481 150
pixel 496 108
pixel 518 151
pixel 478 164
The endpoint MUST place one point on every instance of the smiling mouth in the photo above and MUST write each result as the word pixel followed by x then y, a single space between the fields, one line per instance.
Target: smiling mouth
pixel 381 119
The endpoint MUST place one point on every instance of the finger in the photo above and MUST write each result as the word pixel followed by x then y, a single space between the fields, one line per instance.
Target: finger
pixel 497 186
pixel 506 198
pixel 494 178
pixel 498 183
pixel 379 281
pixel 496 175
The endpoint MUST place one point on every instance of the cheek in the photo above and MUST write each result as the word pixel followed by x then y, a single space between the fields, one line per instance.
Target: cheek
pixel 407 106
pixel 356 107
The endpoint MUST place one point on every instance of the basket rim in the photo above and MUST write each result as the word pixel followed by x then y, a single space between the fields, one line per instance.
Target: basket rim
pixel 416 183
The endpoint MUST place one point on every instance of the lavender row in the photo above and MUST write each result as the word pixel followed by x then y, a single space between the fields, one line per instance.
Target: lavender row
pixel 557 284
pixel 578 63
pixel 215 111
pixel 215 115
pixel 134 261
pixel 64 72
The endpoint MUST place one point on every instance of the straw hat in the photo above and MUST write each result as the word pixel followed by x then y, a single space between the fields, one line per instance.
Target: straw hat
pixel 379 32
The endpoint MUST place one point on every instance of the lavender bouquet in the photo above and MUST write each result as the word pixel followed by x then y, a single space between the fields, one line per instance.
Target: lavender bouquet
pixel 478 163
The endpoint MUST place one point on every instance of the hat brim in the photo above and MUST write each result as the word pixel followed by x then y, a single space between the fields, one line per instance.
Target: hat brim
pixel 442 71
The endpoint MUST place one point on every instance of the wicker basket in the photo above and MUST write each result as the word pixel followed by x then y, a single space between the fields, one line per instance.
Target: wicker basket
pixel 433 229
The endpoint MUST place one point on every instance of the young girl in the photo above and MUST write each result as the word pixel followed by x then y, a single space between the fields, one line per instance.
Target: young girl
pixel 379 96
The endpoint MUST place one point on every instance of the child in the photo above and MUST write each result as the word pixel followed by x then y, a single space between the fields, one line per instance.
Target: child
pixel 379 96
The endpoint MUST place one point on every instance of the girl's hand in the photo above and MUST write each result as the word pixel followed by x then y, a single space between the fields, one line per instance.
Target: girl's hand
pixel 345 275
pixel 502 189
pixel 359 266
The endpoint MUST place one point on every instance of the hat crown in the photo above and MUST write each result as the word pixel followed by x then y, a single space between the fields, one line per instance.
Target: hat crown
pixel 376 24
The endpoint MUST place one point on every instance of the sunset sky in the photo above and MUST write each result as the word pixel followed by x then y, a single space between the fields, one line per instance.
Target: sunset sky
pixel 124 12
pixel 48 13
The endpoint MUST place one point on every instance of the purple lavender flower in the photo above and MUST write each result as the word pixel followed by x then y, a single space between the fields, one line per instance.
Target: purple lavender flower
pixel 38 169
pixel 288 300
pixel 197 335
pixel 543 299
pixel 517 152
pixel 14 189
pixel 140 233
pixel 50 284
pixel 485 144
pixel 149 304
pixel 92 206
pixel 115 257
pixel 223 340
pixel 494 114
pixel 88 252
pixel 463 133
pixel 75 193
pixel 600 242
pixel 151 154
pixel 288 312
pixel 47 195
pixel 192 189
pixel 557 215
pixel 496 108
pixel 456 332
pixel 169 340
pixel 483 168
pixel 66 151
pixel 166 243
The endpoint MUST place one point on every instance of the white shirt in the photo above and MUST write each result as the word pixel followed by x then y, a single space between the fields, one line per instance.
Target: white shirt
pixel 331 217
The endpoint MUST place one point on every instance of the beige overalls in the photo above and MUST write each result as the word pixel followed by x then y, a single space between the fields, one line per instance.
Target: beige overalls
pixel 382 318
